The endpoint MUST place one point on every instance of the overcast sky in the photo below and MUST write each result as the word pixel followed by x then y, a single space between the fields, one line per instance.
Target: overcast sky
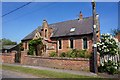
pixel 20 23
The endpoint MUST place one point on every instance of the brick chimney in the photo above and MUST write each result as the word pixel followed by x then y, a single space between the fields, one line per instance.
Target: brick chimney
pixel 80 16
pixel 45 29
pixel 45 24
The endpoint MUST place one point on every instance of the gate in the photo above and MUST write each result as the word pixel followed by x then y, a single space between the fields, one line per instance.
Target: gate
pixel 17 57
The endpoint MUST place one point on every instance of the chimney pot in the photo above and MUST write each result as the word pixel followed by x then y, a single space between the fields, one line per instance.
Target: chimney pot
pixel 81 16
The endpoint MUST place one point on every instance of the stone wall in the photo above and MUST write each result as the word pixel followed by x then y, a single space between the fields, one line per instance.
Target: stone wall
pixel 8 57
pixel 58 62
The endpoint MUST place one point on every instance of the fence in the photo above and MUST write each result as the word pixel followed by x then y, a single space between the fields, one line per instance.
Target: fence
pixel 105 58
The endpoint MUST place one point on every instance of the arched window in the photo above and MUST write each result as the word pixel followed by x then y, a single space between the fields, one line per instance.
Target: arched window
pixel 71 43
pixel 59 44
pixel 85 45
pixel 45 32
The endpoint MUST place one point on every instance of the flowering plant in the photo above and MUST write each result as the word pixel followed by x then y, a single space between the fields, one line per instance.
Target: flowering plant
pixel 107 45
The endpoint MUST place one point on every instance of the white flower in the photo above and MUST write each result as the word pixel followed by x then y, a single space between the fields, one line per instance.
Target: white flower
pixel 110 58
pixel 115 67
pixel 102 64
pixel 116 40
pixel 105 60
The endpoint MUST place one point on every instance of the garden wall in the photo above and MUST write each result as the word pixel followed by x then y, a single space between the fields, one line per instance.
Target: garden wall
pixel 58 62
pixel 8 57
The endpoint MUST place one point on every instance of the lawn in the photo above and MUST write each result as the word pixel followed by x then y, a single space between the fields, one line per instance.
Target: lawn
pixel 43 73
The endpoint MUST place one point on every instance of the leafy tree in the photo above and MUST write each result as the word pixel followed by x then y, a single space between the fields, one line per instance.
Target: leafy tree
pixel 115 31
pixel 7 42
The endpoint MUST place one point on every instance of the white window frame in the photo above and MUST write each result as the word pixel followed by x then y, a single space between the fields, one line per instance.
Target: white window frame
pixel 87 43
pixel 61 44
pixel 73 43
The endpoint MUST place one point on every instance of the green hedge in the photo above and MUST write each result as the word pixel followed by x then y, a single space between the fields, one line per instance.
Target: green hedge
pixel 53 54
pixel 74 53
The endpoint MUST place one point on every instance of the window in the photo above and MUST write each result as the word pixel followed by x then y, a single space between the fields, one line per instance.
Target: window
pixel 59 44
pixel 71 43
pixel 72 29
pixel 25 45
pixel 46 33
pixel 85 45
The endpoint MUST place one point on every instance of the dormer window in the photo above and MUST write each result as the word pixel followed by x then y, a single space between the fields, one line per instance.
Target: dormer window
pixel 72 29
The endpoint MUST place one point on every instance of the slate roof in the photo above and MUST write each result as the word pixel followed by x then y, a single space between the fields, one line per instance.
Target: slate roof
pixel 8 46
pixel 60 29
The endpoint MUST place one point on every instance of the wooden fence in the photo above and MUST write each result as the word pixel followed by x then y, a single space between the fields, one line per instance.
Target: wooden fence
pixel 105 58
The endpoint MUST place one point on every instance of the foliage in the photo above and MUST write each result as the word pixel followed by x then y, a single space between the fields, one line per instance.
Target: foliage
pixel 109 66
pixel 53 54
pixel 21 46
pixel 63 54
pixel 116 31
pixel 107 45
pixel 33 44
pixel 75 53
pixel 7 42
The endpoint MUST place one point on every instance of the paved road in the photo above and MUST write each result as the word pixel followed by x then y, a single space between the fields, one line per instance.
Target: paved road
pixel 12 74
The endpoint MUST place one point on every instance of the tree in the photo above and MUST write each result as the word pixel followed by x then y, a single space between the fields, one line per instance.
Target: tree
pixel 115 31
pixel 7 42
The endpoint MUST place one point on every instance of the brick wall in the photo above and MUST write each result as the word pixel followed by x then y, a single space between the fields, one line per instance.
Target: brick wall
pixel 78 43
pixel 62 63
pixel 8 57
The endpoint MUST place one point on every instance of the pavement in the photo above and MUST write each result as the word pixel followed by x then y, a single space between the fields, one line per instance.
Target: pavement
pixel 56 70
pixel 84 73
pixel 13 74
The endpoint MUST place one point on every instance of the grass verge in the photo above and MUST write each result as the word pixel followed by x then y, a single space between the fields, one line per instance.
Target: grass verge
pixel 43 73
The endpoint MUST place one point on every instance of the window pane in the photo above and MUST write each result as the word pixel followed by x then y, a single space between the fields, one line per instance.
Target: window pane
pixel 71 43
pixel 25 45
pixel 85 43
pixel 60 44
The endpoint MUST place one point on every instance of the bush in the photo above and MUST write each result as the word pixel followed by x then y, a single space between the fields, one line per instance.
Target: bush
pixel 75 53
pixel 53 54
pixel 81 53
pixel 63 54
pixel 109 67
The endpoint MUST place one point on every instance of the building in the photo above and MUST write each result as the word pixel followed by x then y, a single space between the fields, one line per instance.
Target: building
pixel 63 36
pixel 9 48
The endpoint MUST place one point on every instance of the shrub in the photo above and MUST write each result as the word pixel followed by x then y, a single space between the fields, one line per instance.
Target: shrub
pixel 63 54
pixel 53 54
pixel 109 67
pixel 81 53
pixel 77 53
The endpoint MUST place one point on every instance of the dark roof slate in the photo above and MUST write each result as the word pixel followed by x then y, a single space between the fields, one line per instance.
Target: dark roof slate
pixel 8 46
pixel 83 26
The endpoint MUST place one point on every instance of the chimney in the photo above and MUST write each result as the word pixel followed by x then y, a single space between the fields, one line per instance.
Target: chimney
pixel 45 24
pixel 80 16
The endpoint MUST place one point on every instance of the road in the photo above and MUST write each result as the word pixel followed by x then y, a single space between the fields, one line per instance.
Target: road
pixel 12 74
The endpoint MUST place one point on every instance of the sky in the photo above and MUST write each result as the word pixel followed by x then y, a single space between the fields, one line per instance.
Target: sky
pixel 18 24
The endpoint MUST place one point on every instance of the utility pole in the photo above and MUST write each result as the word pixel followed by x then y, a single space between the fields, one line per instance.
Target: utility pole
pixel 94 36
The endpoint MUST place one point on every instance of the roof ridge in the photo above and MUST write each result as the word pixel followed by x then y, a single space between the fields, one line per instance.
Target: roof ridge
pixel 68 20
